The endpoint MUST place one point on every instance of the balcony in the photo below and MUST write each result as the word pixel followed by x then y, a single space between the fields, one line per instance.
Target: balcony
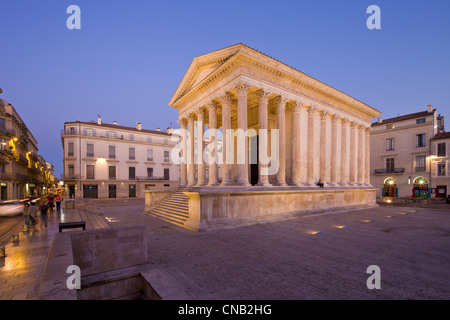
pixel 390 171
pixel 70 177
pixel 420 169
pixel 150 178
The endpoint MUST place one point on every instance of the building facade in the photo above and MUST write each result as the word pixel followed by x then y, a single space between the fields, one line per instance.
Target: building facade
pixel 402 154
pixel 108 161
pixel 440 177
pixel 309 130
pixel 23 172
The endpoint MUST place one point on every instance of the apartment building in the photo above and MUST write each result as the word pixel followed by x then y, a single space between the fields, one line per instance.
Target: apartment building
pixel 404 154
pixel 106 161
pixel 23 172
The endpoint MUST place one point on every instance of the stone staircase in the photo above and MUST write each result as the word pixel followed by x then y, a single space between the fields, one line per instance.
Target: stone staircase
pixel 174 209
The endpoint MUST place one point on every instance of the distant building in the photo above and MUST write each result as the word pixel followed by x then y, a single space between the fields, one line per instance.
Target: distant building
pixel 404 157
pixel 22 171
pixel 440 177
pixel 104 161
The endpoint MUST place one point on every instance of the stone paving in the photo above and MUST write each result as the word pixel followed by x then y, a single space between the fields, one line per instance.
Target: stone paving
pixel 322 256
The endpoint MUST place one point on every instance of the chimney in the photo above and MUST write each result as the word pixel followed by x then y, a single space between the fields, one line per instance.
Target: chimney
pixel 99 119
pixel 430 108
pixel 138 126
pixel 380 119
pixel 158 129
pixel 115 122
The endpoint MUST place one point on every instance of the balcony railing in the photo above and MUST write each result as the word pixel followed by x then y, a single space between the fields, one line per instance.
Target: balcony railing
pixel 150 178
pixel 390 171
pixel 420 169
pixel 70 176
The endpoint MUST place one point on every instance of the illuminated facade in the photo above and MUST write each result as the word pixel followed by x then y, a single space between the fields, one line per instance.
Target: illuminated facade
pixel 109 161
pixel 23 172
pixel 322 134
pixel 404 154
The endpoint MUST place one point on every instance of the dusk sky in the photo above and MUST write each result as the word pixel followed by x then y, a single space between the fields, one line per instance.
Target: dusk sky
pixel 128 58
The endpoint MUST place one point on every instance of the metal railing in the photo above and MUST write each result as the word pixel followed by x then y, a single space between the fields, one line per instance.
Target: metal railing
pixel 390 171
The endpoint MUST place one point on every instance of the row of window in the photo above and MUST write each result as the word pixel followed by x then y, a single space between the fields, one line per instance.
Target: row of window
pixel 420 165
pixel 420 142
pixel 112 152
pixel 90 132
pixel 90 172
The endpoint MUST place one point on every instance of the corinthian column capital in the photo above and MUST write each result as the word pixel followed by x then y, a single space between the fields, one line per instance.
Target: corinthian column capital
pixel 281 101
pixel 263 95
pixel 226 97
pixel 242 88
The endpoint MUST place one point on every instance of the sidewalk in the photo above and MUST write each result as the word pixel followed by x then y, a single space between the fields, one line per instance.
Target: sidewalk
pixel 21 269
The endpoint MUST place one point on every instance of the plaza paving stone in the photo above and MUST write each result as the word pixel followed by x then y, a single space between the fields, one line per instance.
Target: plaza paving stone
pixel 321 256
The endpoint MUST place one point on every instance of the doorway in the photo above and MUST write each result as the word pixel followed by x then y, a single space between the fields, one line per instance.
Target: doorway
pixel 112 191
pixel 254 159
pixel 441 191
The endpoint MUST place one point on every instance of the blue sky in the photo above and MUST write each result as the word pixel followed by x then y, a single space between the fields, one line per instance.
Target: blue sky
pixel 129 56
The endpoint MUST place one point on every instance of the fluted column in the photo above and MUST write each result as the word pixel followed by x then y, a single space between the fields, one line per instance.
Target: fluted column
pixel 226 144
pixel 295 146
pixel 367 166
pixel 325 147
pixel 212 144
pixel 345 153
pixel 184 153
pixel 336 149
pixel 361 155
pixel 313 139
pixel 353 153
pixel 200 146
pixel 304 143
pixel 263 118
pixel 281 125
pixel 242 89
pixel 191 151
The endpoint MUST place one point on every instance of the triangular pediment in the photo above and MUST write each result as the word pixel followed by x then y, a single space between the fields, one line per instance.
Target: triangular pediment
pixel 201 67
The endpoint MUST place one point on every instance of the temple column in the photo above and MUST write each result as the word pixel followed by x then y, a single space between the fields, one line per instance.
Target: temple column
pixel 191 151
pixel 345 153
pixel 313 138
pixel 281 125
pixel 200 147
pixel 263 118
pixel 296 148
pixel 361 155
pixel 184 153
pixel 325 147
pixel 367 166
pixel 226 136
pixel 353 154
pixel 242 89
pixel 335 166
pixel 212 144
pixel 303 144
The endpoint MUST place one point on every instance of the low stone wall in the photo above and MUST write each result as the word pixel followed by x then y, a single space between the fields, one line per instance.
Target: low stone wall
pixel 153 197
pixel 209 209
pixel 94 252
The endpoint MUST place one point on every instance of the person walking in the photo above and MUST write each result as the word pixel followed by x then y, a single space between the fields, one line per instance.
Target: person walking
pixel 32 209
pixel 26 214
pixel 43 206
pixel 58 200
pixel 51 202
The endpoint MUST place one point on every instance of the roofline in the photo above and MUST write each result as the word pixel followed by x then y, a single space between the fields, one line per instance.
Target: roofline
pixel 118 127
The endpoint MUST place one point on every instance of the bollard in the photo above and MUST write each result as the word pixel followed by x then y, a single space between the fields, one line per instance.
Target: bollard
pixel 2 252
pixel 16 237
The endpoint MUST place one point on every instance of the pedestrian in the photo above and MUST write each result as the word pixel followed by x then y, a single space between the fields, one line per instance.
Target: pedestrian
pixel 44 210
pixel 58 200
pixel 26 214
pixel 320 183
pixel 32 209
pixel 51 202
